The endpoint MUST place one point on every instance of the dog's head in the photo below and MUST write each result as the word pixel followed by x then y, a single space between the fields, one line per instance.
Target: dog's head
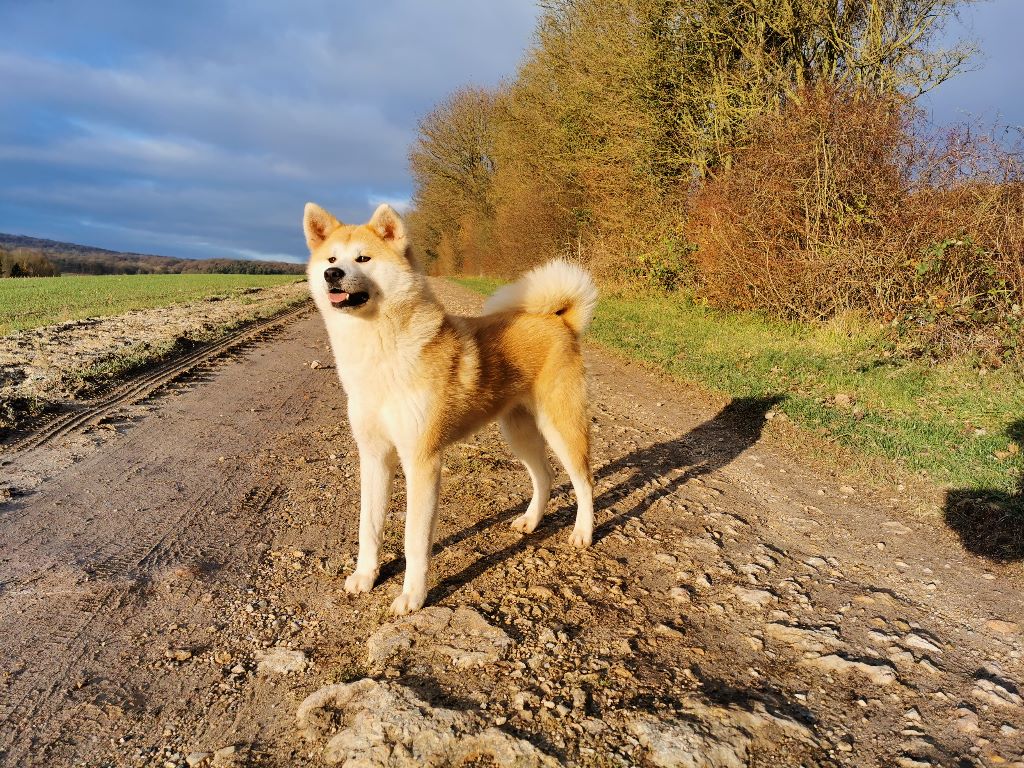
pixel 354 269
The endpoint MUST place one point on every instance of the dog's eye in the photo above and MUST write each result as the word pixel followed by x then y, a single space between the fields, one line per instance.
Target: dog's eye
pixel 332 259
pixel 362 258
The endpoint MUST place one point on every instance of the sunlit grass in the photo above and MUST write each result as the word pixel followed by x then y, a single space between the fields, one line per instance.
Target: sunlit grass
pixel 845 381
pixel 31 302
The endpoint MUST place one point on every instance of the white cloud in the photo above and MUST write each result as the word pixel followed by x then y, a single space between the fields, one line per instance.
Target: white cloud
pixel 206 128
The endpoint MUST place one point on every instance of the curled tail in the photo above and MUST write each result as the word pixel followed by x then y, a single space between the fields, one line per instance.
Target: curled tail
pixel 556 288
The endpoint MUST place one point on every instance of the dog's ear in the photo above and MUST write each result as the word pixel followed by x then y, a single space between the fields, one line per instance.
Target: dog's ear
pixel 318 224
pixel 389 226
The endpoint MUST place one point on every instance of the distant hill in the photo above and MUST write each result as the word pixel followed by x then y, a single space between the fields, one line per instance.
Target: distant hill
pixel 75 259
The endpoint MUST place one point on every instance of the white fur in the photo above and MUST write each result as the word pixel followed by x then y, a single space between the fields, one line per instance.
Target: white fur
pixel 547 289
pixel 379 354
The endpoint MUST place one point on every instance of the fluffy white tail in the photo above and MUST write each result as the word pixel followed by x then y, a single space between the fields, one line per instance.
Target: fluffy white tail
pixel 556 288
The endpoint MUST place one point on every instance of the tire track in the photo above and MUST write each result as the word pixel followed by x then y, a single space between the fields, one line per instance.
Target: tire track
pixel 140 387
pixel 117 579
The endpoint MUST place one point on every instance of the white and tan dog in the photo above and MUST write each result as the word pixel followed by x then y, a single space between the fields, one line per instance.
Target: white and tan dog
pixel 418 379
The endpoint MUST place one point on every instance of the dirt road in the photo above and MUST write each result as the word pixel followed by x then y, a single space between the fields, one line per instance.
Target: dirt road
pixel 170 593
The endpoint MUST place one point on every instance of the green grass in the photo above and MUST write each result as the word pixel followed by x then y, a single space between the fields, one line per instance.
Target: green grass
pixel 31 302
pixel 946 420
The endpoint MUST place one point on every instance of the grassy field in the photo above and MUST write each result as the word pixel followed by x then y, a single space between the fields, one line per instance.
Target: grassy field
pixel 31 302
pixel 960 425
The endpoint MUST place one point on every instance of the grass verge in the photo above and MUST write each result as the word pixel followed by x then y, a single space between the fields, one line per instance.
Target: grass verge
pixel 847 381
pixel 32 302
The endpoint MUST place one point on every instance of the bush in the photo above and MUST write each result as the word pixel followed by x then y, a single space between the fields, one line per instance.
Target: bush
pixel 837 203
pixel 25 263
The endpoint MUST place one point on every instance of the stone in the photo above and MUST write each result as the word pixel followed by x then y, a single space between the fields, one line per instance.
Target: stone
pixel 921 643
pixel 461 638
pixel 714 736
pixel 909 761
pixel 280 661
pixel 372 724
pixel 755 597
pixel 816 640
pixel 997 693
pixel 879 674
pixel 670 632
pixel 968 721
pixel 197 758
pixel 227 757
pixel 1002 627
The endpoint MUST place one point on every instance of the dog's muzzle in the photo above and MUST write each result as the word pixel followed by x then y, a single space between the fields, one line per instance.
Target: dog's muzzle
pixel 339 297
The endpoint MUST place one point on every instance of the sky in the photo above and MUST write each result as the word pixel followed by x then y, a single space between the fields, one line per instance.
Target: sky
pixel 200 128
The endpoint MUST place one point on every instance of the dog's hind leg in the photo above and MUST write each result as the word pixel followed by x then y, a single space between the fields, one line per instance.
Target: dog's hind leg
pixel 520 430
pixel 377 464
pixel 423 480
pixel 562 419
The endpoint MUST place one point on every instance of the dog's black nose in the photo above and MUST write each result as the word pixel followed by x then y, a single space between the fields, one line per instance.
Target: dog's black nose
pixel 333 274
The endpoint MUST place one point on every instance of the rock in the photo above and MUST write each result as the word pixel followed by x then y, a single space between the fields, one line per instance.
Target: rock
pixel 996 692
pixel 879 674
pixel 461 637
pixel 713 736
pixel 909 761
pixel 817 640
pixel 280 661
pixel 370 724
pixel 670 632
pixel 197 758
pixel 679 594
pixel 922 643
pixel 178 654
pixel 1002 627
pixel 544 593
pixel 228 756
pixel 756 597
pixel 967 722
pixel 847 490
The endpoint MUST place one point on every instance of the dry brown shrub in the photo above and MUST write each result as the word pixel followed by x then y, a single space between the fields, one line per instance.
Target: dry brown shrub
pixel 793 226
pixel 838 204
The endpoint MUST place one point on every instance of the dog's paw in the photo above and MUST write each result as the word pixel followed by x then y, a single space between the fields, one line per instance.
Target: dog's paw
pixel 581 538
pixel 360 582
pixel 525 524
pixel 407 602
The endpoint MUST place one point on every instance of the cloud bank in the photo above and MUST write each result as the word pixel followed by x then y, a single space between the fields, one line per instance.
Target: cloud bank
pixel 201 128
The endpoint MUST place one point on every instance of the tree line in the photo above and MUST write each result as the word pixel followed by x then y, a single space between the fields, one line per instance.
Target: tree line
pixel 25 263
pixel 762 154
pixel 34 257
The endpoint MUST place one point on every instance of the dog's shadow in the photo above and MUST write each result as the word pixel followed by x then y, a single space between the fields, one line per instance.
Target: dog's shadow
pixel 990 521
pixel 704 449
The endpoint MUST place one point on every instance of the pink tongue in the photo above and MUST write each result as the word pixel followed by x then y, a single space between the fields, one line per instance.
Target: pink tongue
pixel 337 298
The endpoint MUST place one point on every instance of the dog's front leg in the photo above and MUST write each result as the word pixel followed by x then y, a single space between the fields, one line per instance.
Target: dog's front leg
pixel 423 478
pixel 377 463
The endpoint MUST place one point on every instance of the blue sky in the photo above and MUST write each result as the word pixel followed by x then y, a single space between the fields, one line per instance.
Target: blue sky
pixel 200 128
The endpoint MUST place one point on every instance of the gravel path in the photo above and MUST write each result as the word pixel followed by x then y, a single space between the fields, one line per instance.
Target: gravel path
pixel 170 595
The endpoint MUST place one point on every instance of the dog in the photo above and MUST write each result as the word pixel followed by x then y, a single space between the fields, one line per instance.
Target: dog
pixel 418 380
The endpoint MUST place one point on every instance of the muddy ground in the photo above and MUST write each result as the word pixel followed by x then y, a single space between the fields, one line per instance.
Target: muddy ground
pixel 172 594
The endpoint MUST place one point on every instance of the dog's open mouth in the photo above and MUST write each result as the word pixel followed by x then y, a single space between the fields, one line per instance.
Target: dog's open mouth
pixel 340 298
